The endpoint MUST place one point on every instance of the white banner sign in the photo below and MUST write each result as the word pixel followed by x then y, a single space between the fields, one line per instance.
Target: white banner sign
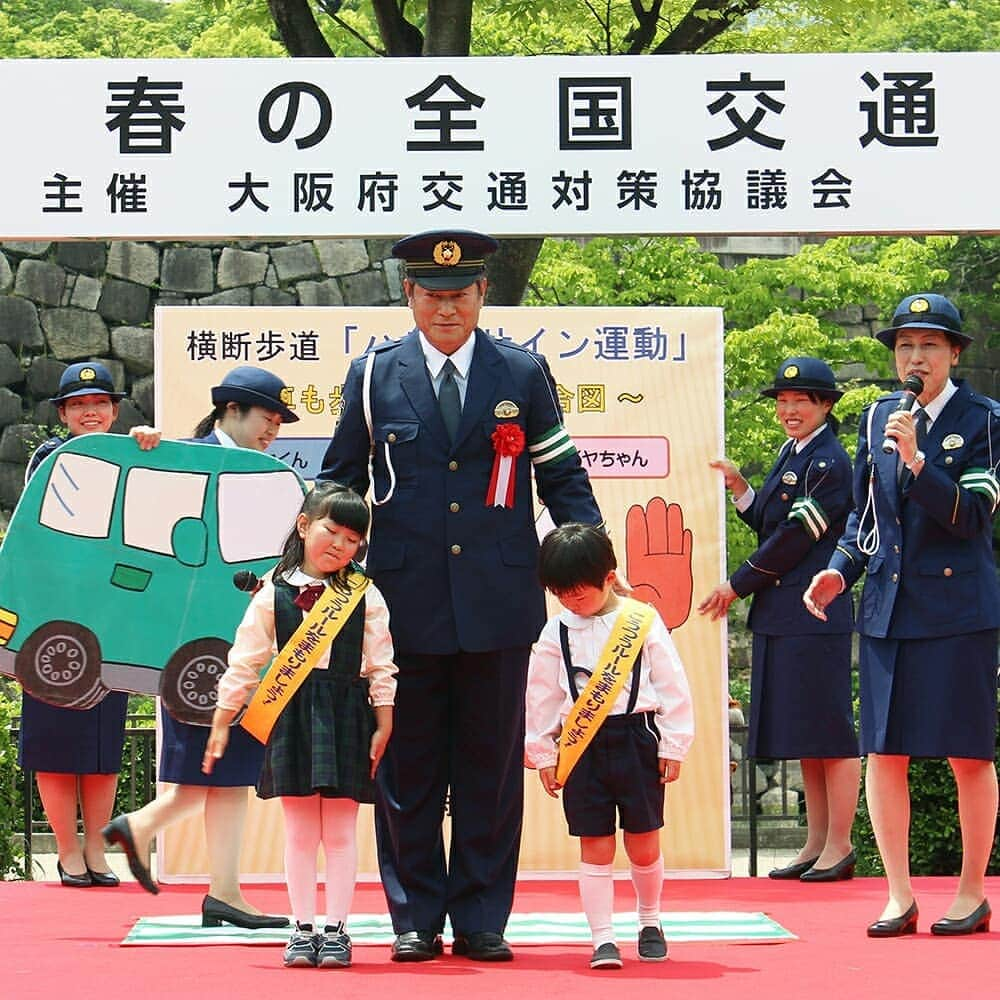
pixel 268 148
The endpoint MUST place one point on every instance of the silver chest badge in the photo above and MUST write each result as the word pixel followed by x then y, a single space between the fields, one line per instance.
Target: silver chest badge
pixel 789 479
pixel 505 410
pixel 952 441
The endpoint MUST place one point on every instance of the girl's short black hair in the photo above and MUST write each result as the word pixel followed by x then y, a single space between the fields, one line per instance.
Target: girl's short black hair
pixel 575 555
pixel 325 500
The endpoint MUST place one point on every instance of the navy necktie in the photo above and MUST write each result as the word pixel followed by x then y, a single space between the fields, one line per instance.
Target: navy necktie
pixel 449 400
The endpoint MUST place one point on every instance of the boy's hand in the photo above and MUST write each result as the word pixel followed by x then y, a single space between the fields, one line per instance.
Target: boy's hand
pixel 547 776
pixel 146 437
pixel 218 740
pixel 670 770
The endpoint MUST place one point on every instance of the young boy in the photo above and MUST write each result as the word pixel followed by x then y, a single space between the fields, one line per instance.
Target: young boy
pixel 630 753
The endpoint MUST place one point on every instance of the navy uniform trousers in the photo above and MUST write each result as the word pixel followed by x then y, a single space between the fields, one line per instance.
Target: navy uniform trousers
pixel 465 605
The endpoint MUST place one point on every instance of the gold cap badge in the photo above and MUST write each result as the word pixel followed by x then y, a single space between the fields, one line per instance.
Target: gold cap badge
pixel 87 375
pixel 791 371
pixel 505 410
pixel 447 253
pixel 919 306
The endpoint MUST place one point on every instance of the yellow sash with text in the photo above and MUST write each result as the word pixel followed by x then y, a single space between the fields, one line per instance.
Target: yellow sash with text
pixel 300 654
pixel 605 685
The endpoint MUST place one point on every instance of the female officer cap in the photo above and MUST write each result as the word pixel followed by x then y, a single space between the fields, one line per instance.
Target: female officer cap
pixel 926 311
pixel 86 378
pixel 804 375
pixel 255 386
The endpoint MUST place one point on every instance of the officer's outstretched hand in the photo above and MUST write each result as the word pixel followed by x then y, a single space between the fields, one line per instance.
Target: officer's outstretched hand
pixel 825 586
pixel 658 559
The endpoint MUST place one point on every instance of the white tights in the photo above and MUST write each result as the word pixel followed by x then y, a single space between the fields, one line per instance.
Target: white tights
pixel 309 821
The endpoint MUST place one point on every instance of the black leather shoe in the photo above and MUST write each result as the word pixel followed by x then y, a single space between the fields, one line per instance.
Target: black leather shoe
pixel 840 872
pixel 119 832
pixel 896 926
pixel 81 881
pixel 416 946
pixel 792 871
pixel 977 922
pixel 106 880
pixel 214 912
pixel 482 946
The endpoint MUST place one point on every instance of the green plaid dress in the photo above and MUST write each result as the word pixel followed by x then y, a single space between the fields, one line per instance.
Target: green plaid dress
pixel 321 740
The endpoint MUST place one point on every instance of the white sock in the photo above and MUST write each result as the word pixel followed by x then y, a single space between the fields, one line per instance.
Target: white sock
pixel 648 884
pixel 597 894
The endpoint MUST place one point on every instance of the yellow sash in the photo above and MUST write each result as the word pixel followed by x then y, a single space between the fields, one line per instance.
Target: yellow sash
pixel 599 696
pixel 300 654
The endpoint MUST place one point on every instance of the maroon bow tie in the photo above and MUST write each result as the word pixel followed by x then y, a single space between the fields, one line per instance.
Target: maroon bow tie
pixel 309 595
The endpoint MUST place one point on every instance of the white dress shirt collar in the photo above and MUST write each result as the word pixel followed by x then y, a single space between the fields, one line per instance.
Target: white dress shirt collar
pixel 461 359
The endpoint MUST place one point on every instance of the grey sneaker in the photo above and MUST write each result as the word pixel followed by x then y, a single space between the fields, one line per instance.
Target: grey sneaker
pixel 302 947
pixel 334 948
pixel 652 945
pixel 606 956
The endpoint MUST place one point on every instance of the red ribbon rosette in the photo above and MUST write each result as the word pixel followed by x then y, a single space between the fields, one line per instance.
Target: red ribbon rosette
pixel 508 443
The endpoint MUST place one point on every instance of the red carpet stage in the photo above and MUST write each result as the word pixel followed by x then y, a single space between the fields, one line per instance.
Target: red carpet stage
pixel 58 942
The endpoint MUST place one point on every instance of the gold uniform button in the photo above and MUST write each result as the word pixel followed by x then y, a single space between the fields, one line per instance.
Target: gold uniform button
pixel 895 577
pixel 947 571
pixel 454 507
pixel 456 550
pixel 895 548
pixel 777 583
pixel 391 438
pixel 452 466
pixel 948 460
pixel 784 496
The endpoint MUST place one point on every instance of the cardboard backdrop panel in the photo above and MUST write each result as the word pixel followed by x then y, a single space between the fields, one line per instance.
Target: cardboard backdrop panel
pixel 642 393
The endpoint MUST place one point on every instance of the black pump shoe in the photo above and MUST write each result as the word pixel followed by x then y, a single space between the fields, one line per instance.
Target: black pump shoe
pixel 977 922
pixel 214 912
pixel 82 881
pixel 792 871
pixel 105 880
pixel 118 831
pixel 840 872
pixel 906 923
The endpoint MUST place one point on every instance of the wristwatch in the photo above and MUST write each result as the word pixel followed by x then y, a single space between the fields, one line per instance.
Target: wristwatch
pixel 917 459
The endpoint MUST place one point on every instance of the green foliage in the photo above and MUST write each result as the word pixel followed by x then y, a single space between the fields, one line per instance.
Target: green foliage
pixel 11 785
pixel 935 837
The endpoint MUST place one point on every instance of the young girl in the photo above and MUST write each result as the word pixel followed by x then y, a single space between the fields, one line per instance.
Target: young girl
pixel 326 745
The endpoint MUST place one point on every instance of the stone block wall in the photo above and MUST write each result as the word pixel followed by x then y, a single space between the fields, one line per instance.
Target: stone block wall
pixel 66 302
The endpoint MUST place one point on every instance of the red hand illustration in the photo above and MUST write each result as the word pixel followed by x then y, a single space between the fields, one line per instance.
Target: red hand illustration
pixel 658 559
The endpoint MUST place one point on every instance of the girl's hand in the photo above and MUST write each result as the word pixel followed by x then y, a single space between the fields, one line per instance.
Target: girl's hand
pixel 146 437
pixel 380 738
pixel 547 775
pixel 717 603
pixel 670 770
pixel 218 740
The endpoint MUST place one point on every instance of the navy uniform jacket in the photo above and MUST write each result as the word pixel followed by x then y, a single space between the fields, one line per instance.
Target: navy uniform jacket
pixel 456 574
pixel 797 538
pixel 932 573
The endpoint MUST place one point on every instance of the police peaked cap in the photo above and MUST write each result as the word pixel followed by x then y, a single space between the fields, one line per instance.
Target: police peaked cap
pixel 804 375
pixel 255 386
pixel 445 259
pixel 86 378
pixel 925 311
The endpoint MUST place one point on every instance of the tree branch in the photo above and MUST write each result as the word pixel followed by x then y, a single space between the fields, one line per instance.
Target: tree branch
pixel 641 36
pixel 449 28
pixel 693 33
pixel 298 29
pixel 400 36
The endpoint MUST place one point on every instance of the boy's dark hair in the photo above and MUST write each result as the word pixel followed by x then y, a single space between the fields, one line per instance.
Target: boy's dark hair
pixel 338 503
pixel 574 555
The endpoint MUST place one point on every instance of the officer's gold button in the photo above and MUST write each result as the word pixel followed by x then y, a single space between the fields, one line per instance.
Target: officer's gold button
pixel 947 571
pixel 452 465
pixel 454 507
pixel 456 550
pixel 948 460
pixel 895 577
pixel 895 548
pixel 784 496
pixel 391 438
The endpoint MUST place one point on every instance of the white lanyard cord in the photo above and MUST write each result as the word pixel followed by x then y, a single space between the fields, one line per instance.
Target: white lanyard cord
pixel 366 404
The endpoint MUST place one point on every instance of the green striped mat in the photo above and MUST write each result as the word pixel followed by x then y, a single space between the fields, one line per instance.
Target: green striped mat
pixel 522 928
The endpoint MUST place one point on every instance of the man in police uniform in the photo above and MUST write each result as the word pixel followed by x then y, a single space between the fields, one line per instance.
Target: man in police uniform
pixel 930 608
pixel 455 422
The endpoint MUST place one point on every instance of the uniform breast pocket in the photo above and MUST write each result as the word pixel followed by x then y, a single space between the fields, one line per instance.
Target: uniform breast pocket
pixel 396 459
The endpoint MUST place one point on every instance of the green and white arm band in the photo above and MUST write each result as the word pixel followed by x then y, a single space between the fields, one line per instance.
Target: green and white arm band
pixel 554 445
pixel 812 516
pixel 982 481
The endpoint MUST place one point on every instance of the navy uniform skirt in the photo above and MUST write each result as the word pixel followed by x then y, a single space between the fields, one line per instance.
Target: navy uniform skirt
pixel 930 697
pixel 69 741
pixel 182 747
pixel 800 697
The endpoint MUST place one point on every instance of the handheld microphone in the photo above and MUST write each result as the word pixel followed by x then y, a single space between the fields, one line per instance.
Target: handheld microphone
pixel 245 579
pixel 913 385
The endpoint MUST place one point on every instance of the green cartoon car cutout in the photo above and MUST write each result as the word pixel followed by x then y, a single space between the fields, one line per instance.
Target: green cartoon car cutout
pixel 117 570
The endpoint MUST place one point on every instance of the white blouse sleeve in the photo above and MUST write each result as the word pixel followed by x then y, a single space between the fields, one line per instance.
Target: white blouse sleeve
pixel 675 713
pixel 377 654
pixel 546 699
pixel 252 649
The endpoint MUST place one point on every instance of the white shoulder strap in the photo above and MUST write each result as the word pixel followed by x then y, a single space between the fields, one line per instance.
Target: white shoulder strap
pixel 366 406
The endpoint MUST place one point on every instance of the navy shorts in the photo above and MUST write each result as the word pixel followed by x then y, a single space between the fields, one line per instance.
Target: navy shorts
pixel 618 777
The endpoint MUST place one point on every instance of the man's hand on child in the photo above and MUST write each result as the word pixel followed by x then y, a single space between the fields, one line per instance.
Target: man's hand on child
pixel 547 775
pixel 670 770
